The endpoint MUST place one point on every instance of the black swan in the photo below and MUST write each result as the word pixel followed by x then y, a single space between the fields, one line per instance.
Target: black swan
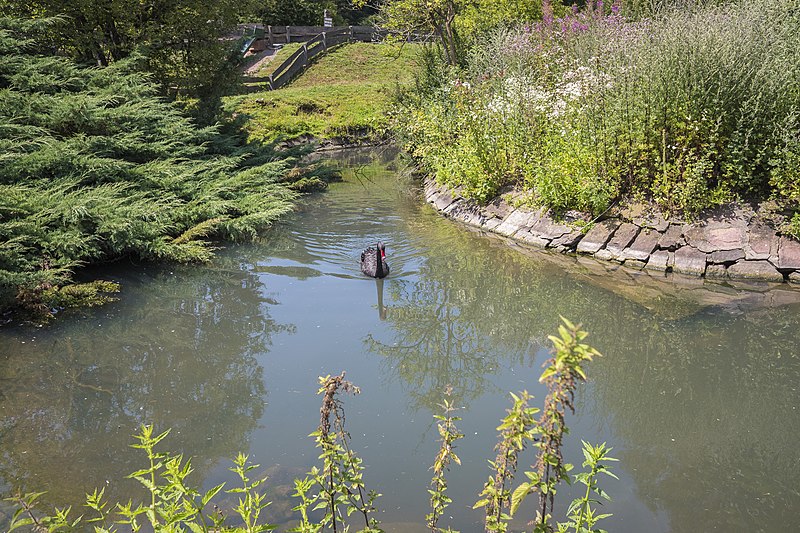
pixel 373 261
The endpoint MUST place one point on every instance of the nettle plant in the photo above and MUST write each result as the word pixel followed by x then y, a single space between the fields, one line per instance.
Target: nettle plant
pixel 333 496
pixel 338 487
pixel 173 504
pixel 521 428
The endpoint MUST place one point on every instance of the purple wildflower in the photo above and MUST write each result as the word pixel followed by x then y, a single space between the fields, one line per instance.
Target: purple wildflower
pixel 547 13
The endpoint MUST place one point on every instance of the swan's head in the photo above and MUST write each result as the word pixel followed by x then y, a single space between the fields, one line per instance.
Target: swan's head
pixel 382 250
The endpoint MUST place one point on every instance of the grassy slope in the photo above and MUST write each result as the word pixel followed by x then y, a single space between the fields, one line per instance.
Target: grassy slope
pixel 280 56
pixel 345 93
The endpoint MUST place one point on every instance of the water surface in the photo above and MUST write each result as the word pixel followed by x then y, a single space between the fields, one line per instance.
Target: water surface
pixel 696 392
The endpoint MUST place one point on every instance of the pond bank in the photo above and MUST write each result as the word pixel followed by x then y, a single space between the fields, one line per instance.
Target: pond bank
pixel 355 140
pixel 731 244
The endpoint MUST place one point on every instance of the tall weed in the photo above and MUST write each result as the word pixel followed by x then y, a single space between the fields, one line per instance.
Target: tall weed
pixel 337 488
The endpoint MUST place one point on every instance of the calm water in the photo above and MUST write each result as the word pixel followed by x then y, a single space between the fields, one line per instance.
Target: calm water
pixel 697 391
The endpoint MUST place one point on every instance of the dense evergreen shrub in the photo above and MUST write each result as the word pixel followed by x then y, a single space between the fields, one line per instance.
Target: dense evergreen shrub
pixel 689 109
pixel 95 166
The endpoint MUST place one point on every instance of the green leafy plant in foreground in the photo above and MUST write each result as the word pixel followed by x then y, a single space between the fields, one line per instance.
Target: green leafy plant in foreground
pixel 340 481
pixel 448 435
pixel 173 505
pixel 564 370
pixel 337 487
pixel 516 431
pixel 582 516
pixel 251 503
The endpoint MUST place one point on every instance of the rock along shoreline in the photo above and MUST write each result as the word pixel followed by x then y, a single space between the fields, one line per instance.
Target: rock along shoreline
pixel 731 244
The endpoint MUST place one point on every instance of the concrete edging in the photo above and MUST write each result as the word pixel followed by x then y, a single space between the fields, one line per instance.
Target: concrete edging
pixel 734 244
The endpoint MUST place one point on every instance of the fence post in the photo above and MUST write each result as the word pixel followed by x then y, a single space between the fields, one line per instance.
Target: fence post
pixel 269 36
pixel 288 35
pixel 305 55
pixel 324 41
pixel 270 81
pixel 350 33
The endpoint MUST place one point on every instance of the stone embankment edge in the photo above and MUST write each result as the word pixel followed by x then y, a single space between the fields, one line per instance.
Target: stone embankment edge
pixel 332 144
pixel 732 244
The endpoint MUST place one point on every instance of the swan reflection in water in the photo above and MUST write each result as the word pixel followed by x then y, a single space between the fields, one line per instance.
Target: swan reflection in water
pixel 381 308
pixel 374 265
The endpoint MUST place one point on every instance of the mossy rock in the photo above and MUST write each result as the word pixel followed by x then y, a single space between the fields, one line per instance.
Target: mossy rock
pixel 312 184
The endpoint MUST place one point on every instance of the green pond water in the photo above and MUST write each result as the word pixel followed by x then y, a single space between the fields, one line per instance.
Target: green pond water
pixel 697 390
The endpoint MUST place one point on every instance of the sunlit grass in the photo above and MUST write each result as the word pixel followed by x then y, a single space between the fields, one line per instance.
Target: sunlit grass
pixel 345 93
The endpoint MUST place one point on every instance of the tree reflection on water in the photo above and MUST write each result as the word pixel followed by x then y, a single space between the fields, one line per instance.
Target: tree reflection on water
pixel 701 404
pixel 186 361
pixel 697 390
pixel 707 411
pixel 457 322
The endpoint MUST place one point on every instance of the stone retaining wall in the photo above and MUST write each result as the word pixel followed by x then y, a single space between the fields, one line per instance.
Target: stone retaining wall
pixel 733 244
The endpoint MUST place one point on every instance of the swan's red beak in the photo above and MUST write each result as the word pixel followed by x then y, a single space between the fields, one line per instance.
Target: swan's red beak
pixel 383 254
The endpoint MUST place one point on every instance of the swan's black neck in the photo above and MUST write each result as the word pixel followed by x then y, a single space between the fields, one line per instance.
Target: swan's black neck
pixel 378 262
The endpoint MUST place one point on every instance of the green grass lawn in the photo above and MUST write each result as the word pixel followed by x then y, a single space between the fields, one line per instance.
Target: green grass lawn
pixel 345 94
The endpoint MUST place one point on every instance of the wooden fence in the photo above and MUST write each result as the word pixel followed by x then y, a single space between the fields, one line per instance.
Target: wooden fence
pixel 298 34
pixel 324 39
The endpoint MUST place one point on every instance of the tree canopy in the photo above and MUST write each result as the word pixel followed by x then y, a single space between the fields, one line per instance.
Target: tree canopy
pixel 457 22
pixel 310 12
pixel 180 38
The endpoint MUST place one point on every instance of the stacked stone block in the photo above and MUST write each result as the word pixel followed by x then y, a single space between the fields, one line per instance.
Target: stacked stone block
pixel 736 245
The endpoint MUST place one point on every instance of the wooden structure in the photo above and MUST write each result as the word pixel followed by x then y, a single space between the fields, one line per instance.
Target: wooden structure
pixel 319 43
pixel 298 34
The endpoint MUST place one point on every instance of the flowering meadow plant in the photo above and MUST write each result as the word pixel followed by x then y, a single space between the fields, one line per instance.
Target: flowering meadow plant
pixel 689 109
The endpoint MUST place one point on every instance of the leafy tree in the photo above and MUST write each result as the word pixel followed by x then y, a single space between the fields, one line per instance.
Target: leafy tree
pixel 354 12
pixel 309 12
pixel 423 16
pixel 180 38
pixel 481 16
pixel 295 12
pixel 457 22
